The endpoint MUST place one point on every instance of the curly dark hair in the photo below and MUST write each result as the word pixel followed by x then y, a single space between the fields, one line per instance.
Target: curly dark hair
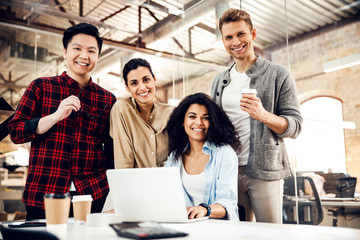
pixel 221 131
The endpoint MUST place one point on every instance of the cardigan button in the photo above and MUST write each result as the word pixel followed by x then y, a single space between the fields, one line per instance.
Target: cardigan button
pixel 217 94
pixel 225 81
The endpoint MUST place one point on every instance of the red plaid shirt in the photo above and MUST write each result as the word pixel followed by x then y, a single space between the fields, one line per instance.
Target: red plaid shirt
pixel 74 148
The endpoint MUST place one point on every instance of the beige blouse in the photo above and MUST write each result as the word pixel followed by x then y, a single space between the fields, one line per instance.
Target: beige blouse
pixel 136 144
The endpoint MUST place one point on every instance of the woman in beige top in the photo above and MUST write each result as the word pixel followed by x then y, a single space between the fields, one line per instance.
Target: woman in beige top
pixel 137 123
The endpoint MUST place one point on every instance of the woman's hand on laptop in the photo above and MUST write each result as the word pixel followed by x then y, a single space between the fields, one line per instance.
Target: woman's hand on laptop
pixel 203 210
pixel 110 211
pixel 196 212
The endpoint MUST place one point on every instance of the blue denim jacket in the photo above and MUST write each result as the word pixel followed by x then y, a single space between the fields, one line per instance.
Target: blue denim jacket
pixel 221 173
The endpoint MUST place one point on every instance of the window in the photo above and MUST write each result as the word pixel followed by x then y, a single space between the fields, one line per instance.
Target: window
pixel 320 146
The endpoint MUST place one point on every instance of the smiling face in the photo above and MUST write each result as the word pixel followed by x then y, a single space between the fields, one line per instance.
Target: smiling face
pixel 238 39
pixel 196 122
pixel 141 85
pixel 81 56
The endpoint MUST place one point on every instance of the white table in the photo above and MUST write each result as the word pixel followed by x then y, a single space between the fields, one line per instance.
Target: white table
pixel 220 229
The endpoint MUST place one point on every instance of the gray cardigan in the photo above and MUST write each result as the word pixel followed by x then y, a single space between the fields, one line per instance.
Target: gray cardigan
pixel 276 89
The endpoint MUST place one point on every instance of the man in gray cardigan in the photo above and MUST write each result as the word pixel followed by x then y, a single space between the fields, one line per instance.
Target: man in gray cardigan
pixel 262 121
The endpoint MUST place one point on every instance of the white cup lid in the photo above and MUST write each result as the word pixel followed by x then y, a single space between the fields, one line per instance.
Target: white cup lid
pixel 81 198
pixel 251 90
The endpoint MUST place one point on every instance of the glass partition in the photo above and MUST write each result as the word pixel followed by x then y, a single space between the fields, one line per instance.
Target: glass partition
pixel 324 151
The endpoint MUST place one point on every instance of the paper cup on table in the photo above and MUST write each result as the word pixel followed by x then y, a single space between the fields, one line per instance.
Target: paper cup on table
pixel 57 208
pixel 249 91
pixel 82 207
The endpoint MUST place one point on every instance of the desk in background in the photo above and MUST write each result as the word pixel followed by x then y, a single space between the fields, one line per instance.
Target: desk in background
pixel 221 229
pixel 13 179
pixel 342 207
pixel 12 184
pixel 341 202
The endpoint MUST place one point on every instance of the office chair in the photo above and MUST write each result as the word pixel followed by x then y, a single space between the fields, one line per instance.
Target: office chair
pixel 22 234
pixel 309 207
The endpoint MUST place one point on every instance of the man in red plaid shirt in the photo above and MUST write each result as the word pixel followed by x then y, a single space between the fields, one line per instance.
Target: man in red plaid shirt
pixel 66 118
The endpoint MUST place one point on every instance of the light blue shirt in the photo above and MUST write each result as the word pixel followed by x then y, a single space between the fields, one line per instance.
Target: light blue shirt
pixel 221 178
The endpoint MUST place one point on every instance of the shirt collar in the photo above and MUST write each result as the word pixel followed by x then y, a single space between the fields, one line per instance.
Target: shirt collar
pixel 153 112
pixel 71 82
pixel 208 147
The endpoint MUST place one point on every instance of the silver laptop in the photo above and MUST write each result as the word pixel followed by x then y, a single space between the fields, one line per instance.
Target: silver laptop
pixel 148 194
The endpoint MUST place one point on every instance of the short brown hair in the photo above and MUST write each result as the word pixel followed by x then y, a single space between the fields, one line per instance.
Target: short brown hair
pixel 234 15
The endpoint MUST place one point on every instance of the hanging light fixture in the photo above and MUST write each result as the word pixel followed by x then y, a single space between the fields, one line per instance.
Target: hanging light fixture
pixel 342 63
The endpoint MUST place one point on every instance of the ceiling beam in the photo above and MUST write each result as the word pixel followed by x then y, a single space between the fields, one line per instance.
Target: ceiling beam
pixel 47 10
pixel 94 8
pixel 62 9
pixel 32 17
pixel 81 8
pixel 317 32
pixel 115 13
pixel 171 25
pixel 20 24
pixel 152 14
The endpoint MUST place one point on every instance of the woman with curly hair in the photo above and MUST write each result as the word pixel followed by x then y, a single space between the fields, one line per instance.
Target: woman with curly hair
pixel 201 145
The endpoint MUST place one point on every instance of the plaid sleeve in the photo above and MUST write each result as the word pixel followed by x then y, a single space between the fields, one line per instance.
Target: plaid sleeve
pixel 21 126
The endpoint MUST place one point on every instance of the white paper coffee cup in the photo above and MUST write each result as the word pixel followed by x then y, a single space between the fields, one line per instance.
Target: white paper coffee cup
pixel 249 91
pixel 81 198
pixel 82 207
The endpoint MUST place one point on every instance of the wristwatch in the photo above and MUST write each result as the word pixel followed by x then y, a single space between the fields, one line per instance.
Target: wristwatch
pixel 207 207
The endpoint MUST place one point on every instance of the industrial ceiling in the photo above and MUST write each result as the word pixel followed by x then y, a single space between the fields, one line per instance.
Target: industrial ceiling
pixel 180 34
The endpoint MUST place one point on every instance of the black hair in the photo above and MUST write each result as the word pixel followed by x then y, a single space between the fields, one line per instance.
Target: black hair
pixel 82 28
pixel 221 131
pixel 134 64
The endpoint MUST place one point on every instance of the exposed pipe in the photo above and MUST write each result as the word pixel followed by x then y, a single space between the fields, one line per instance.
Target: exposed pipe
pixel 171 25
pixel 114 44
pixel 48 10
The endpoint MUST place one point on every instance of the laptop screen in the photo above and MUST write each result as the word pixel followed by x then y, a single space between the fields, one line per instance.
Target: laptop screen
pixel 147 194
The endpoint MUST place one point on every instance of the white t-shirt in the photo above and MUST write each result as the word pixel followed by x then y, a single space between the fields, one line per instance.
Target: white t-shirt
pixel 231 105
pixel 194 185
